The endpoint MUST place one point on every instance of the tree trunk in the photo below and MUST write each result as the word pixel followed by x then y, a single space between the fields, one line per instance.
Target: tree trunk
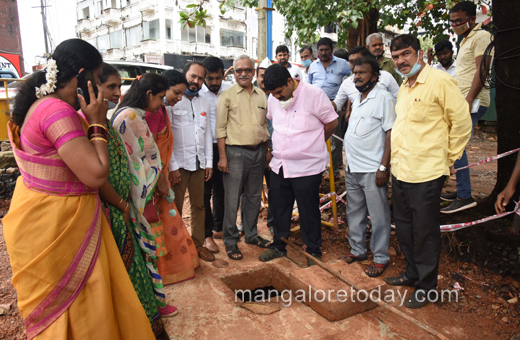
pixel 366 26
pixel 505 17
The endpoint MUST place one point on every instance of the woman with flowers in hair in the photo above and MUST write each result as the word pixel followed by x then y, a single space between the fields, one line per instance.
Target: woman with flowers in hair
pixel 70 279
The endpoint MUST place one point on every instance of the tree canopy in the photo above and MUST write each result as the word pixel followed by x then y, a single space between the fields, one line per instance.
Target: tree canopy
pixel 305 17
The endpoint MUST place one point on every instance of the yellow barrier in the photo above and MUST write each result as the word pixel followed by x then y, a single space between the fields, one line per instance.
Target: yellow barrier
pixel 5 111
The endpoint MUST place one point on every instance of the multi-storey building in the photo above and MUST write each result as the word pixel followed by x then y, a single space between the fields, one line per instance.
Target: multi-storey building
pixel 149 30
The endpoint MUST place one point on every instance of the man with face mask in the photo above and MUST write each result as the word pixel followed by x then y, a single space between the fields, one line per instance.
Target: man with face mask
pixel 444 55
pixel 431 130
pixel 367 146
pixel 192 160
pixel 468 74
pixel 306 57
pixel 243 143
pixel 303 119
pixel 377 48
pixel 211 90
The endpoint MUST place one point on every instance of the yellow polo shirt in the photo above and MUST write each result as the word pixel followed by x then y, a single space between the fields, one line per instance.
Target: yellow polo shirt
pixel 432 127
pixel 471 47
pixel 241 117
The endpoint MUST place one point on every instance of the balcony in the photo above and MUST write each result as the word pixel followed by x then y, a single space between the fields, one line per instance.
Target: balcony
pixel 84 26
pixel 151 46
pixel 112 16
pixel 147 6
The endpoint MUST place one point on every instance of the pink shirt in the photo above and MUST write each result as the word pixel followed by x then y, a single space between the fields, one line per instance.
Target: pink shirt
pixel 299 137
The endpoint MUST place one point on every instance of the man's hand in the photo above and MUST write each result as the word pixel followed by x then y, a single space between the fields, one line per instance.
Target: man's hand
pixel 430 55
pixel 452 171
pixel 503 199
pixel 381 178
pixel 470 103
pixel 175 177
pixel 223 165
pixel 268 157
pixel 209 173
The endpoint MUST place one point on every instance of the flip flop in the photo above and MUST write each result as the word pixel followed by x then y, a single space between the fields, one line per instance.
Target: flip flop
pixel 233 250
pixel 350 258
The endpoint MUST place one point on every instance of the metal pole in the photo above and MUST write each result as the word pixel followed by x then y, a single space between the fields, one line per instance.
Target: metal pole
pixel 42 6
pixel 332 188
pixel 270 30
pixel 262 30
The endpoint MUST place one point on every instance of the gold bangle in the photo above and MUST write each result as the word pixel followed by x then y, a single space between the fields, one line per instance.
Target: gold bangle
pixel 127 206
pixel 99 138
pixel 120 201
pixel 101 126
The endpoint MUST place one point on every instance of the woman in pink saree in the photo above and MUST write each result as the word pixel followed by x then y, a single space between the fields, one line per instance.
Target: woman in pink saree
pixel 69 276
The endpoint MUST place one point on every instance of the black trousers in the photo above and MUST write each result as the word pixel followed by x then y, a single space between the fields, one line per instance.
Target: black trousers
pixel 306 192
pixel 416 214
pixel 214 187
pixel 270 217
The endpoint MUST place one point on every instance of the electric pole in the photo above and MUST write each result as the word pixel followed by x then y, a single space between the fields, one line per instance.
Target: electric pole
pixel 262 30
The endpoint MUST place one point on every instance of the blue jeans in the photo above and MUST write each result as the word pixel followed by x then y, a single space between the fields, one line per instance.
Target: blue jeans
pixel 463 178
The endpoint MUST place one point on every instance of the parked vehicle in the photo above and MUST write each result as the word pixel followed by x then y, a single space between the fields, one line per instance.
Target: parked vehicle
pixel 132 69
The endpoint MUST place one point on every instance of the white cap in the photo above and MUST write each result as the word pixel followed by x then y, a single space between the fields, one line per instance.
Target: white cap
pixel 265 63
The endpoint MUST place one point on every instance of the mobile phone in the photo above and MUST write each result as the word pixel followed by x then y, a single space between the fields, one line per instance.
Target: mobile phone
pixel 83 79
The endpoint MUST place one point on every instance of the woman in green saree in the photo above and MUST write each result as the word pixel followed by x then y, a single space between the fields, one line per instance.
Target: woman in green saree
pixel 115 194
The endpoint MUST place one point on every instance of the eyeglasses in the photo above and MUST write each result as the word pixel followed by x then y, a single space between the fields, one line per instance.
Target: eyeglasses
pixel 458 22
pixel 242 70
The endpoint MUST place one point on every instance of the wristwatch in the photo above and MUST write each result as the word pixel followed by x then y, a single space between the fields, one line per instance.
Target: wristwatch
pixel 268 149
pixel 382 168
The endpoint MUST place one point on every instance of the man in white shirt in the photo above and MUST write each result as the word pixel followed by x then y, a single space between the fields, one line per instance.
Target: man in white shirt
pixel 282 56
pixel 367 145
pixel 348 91
pixel 192 160
pixel 211 90
pixel 444 54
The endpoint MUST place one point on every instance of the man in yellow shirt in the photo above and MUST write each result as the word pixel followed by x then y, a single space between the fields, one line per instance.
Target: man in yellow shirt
pixel 244 152
pixel 430 132
pixel 468 74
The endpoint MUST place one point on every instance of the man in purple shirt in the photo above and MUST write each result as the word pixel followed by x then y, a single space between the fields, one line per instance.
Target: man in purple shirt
pixel 303 119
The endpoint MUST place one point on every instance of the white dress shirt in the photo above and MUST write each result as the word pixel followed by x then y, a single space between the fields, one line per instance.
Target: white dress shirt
pixel 366 134
pixel 212 100
pixel 295 71
pixel 450 70
pixel 348 89
pixel 192 133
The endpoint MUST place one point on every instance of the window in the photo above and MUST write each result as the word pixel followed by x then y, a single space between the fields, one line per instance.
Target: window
pixel 229 38
pixel 114 4
pixel 168 29
pixel 151 29
pixel 99 8
pixel 133 36
pixel 102 43
pixel 116 39
pixel 92 42
pixel 196 34
pixel 86 13
pixel 331 28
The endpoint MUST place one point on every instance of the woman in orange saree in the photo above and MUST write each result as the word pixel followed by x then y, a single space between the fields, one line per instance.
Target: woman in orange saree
pixel 70 279
pixel 182 259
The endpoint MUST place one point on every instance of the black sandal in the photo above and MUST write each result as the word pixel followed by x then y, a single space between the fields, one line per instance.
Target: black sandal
pixel 399 281
pixel 260 242
pixel 351 258
pixel 233 250
pixel 271 254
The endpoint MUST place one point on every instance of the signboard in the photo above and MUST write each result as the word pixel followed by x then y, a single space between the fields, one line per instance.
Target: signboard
pixel 12 62
pixel 153 59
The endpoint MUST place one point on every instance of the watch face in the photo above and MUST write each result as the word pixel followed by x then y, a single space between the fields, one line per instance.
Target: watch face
pixel 382 168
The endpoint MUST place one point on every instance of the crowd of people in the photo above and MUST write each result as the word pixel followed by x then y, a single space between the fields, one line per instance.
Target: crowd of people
pixel 95 228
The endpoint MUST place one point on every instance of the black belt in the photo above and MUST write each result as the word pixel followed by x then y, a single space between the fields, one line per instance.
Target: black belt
pixel 251 147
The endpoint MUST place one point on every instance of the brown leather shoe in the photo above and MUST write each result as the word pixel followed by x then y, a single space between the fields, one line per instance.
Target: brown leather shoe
pixel 205 254
pixel 218 235
pixel 210 244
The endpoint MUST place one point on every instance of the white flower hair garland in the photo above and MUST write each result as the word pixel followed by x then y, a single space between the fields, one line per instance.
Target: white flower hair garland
pixel 52 78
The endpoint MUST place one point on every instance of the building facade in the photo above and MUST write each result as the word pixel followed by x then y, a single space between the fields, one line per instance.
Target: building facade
pixel 149 30
pixel 11 56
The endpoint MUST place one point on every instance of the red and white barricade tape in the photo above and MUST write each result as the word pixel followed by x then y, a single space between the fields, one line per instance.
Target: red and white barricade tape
pixel 493 158
pixel 327 205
